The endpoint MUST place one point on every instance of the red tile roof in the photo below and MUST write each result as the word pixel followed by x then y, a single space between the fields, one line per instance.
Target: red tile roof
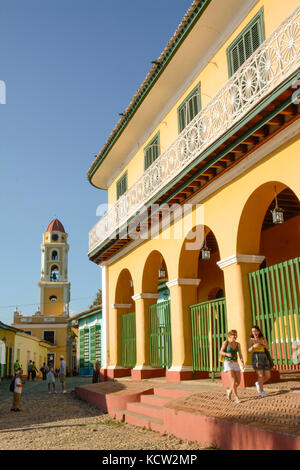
pixel 55 226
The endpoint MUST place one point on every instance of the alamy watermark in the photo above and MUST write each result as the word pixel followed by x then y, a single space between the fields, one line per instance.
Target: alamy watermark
pixel 167 222
pixel 2 92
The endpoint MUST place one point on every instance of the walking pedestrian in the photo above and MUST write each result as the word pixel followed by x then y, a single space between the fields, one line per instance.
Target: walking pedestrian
pixel 62 374
pixel 44 371
pixel 33 370
pixel 29 369
pixel 229 351
pixel 258 345
pixel 16 366
pixel 96 372
pixel 51 378
pixel 17 391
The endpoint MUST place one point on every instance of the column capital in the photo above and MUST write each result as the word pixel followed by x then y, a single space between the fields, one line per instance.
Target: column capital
pixel 121 305
pixel 238 258
pixel 183 282
pixel 145 295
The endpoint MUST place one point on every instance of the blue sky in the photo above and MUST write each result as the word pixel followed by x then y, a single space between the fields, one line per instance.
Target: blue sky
pixel 70 68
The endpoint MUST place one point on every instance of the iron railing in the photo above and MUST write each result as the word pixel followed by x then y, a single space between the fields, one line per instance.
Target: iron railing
pixel 275 304
pixel 270 65
pixel 209 330
pixel 128 340
pixel 160 334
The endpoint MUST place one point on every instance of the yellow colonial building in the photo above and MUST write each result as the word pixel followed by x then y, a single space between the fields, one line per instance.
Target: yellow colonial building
pixel 50 322
pixel 201 233
pixel 15 344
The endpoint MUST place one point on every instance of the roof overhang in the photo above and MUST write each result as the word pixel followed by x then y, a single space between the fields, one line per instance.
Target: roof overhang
pixel 196 49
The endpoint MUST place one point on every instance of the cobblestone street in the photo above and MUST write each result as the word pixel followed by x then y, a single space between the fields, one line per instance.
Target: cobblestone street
pixel 61 421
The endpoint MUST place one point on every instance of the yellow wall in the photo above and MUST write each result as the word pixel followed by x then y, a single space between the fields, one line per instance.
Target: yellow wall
pixel 235 215
pixel 60 340
pixel 53 308
pixel 9 338
pixel 212 78
pixel 30 349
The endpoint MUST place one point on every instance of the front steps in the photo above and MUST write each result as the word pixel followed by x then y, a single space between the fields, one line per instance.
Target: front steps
pixel 149 411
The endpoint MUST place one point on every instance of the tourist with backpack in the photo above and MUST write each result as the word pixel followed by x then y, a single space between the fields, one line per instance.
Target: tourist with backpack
pixel 16 387
pixel 228 354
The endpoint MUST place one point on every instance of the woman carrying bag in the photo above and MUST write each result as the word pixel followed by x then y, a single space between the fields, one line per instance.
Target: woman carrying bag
pixel 229 351
pixel 261 360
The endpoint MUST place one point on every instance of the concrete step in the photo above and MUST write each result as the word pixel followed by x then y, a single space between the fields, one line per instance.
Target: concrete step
pixel 146 409
pixel 137 419
pixel 155 400
pixel 170 392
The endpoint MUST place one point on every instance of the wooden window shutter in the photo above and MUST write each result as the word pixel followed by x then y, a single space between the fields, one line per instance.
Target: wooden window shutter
pixel 122 185
pixel 151 152
pixel 246 43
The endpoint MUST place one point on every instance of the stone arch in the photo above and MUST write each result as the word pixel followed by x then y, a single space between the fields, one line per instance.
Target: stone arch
pixel 150 276
pixel 256 232
pixel 192 266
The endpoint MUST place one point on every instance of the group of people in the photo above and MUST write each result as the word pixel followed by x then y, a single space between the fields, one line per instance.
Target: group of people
pixel 47 371
pixel 261 361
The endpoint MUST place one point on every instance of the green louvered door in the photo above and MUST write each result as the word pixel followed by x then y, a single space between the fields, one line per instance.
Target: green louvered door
pixel 209 330
pixel 275 304
pixel 128 340
pixel 92 346
pixel 81 349
pixel 160 334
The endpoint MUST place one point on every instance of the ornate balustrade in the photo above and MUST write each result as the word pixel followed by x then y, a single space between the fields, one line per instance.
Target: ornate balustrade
pixel 270 65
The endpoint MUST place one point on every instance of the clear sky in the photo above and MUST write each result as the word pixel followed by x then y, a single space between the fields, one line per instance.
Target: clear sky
pixel 70 68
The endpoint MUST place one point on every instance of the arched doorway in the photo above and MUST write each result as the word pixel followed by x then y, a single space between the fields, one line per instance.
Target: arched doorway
pixel 273 228
pixel 126 322
pixel 154 283
pixel 207 307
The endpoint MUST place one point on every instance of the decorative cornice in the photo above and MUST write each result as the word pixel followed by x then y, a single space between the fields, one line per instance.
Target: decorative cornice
pixel 183 282
pixel 223 263
pixel 145 295
pixel 121 305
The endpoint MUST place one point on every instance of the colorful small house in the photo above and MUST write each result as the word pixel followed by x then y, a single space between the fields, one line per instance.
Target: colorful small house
pixel 89 349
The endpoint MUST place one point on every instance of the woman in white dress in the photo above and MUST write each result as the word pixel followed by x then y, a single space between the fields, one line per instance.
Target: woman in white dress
pixel 51 378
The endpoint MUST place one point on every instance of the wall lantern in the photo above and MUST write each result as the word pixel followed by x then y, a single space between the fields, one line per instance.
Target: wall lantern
pixel 205 252
pixel 277 212
pixel 161 273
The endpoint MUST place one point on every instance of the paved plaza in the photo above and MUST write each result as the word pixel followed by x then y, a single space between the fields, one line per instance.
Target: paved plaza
pixel 62 421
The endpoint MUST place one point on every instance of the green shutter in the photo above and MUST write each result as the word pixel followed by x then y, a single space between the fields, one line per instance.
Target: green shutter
pixel 98 343
pixel 122 185
pixel 81 349
pixel 92 346
pixel 190 107
pixel 151 152
pixel 246 43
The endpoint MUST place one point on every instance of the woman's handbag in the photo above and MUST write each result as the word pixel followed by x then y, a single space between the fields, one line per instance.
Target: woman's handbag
pixel 267 353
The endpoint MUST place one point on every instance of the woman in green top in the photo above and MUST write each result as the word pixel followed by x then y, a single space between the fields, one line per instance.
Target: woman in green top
pixel 230 350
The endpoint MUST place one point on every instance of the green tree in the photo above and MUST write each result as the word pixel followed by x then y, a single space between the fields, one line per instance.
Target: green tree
pixel 98 299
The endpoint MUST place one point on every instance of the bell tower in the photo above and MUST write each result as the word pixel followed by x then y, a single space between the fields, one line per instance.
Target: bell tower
pixel 54 288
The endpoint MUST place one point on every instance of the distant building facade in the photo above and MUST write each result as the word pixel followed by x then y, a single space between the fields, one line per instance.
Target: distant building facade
pixel 89 346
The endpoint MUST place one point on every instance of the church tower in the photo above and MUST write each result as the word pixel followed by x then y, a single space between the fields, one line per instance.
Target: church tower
pixel 50 321
pixel 54 288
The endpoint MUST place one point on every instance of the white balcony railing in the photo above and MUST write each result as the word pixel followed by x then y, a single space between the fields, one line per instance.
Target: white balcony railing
pixel 273 62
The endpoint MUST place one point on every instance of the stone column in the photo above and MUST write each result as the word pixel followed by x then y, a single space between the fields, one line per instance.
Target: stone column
pixel 143 370
pixel 115 369
pixel 183 295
